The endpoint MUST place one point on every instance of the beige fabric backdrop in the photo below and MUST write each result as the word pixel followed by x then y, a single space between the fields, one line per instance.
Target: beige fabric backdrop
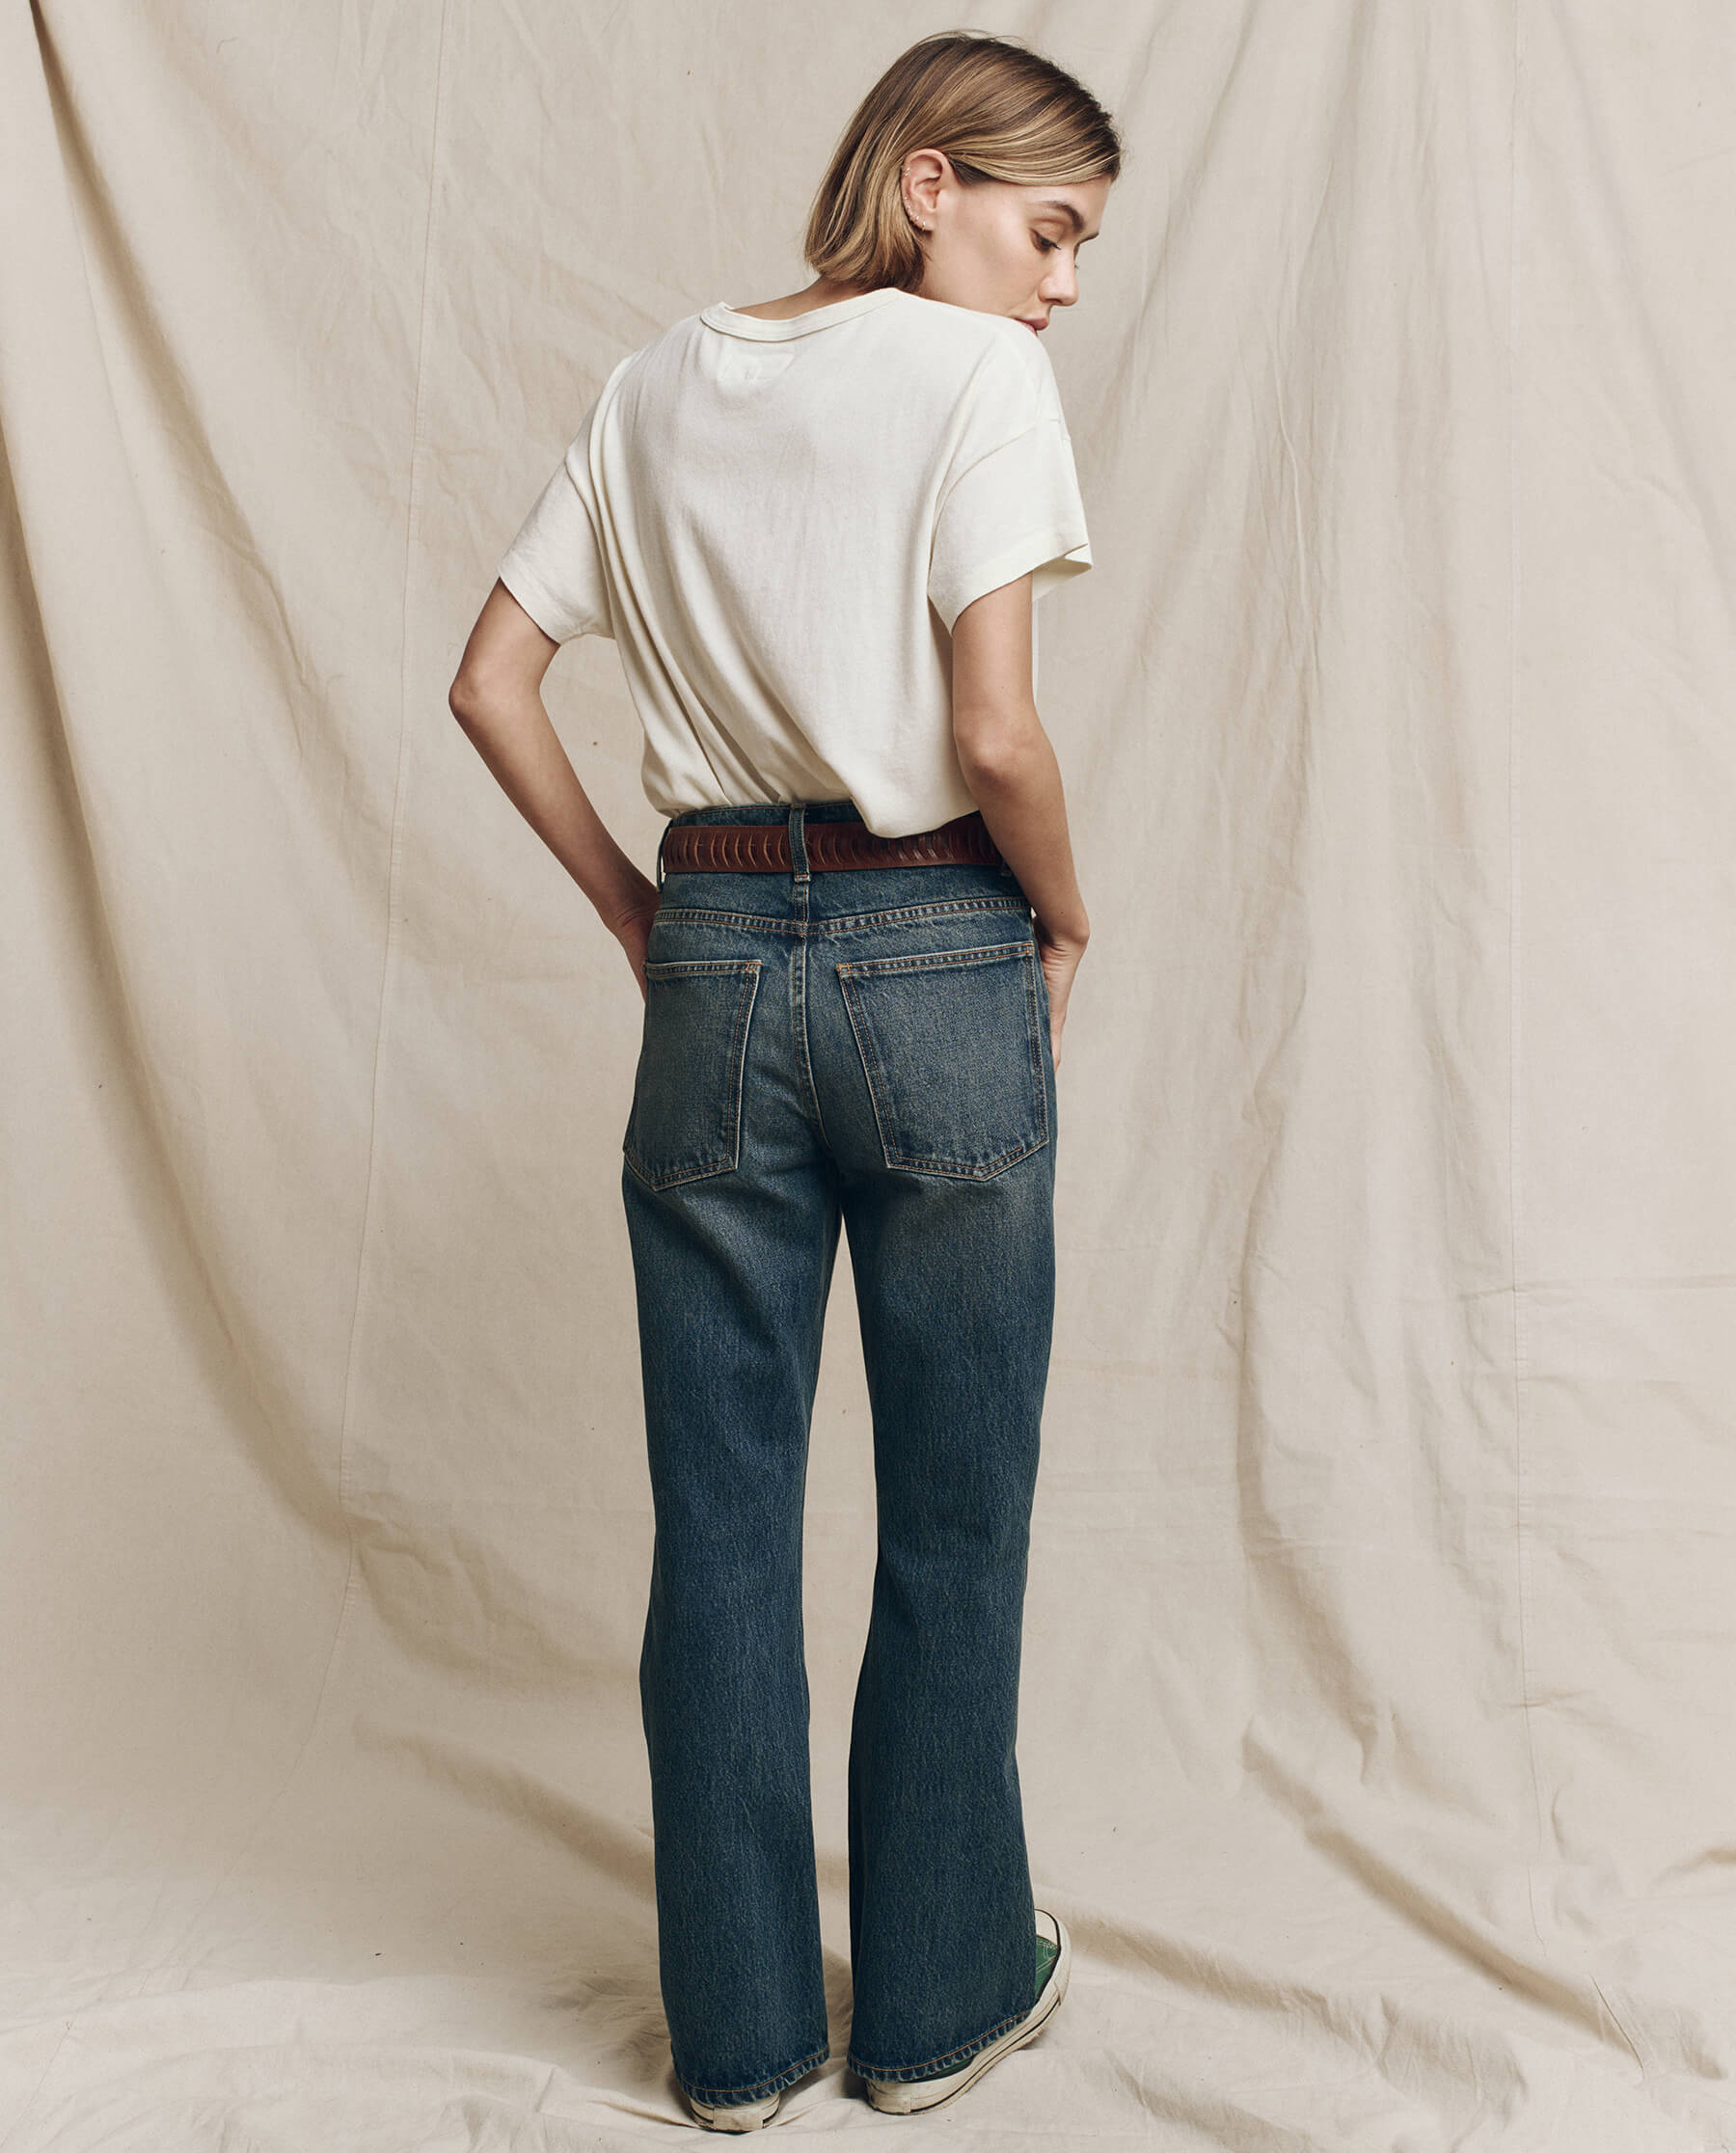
pixel 1377 1729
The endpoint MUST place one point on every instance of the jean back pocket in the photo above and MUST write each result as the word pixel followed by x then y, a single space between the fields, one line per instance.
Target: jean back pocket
pixel 952 1050
pixel 686 1121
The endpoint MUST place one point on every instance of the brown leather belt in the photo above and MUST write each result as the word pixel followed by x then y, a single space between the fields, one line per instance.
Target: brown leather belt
pixel 764 848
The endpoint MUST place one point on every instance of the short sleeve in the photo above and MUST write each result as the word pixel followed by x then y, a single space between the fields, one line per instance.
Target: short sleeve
pixel 1011 505
pixel 554 566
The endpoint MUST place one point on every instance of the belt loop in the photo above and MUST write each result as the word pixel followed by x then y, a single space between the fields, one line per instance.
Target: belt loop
pixel 799 862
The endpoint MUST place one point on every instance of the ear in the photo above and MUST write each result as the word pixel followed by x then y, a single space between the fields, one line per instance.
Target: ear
pixel 919 183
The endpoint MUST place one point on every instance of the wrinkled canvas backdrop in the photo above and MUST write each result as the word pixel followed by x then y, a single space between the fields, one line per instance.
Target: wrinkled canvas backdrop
pixel 1377 1732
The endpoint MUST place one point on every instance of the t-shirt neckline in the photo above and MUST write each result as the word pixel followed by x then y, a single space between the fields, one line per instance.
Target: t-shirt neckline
pixel 721 314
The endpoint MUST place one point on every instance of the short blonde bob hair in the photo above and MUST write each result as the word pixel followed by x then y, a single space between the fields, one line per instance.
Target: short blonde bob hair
pixel 992 106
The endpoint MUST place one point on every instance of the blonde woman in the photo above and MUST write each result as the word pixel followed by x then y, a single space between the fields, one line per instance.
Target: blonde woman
pixel 815 527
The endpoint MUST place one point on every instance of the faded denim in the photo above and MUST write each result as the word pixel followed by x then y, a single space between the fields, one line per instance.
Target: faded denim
pixel 868 1045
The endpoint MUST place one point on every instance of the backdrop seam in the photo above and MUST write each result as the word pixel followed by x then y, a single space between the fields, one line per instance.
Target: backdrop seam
pixel 1515 996
pixel 393 857
pixel 395 843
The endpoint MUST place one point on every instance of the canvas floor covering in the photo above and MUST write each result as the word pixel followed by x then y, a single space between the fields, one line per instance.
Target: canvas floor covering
pixel 1377 1729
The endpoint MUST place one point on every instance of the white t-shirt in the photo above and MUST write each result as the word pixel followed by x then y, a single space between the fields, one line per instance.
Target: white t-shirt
pixel 778 523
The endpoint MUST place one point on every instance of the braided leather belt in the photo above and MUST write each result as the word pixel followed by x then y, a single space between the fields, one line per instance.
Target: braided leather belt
pixel 764 848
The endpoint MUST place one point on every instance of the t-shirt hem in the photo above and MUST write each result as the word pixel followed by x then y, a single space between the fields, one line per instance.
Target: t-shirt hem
pixel 1064 552
pixel 549 617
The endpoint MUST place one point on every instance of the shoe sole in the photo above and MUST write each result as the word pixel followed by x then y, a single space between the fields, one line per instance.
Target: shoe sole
pixel 920 2096
pixel 740 2115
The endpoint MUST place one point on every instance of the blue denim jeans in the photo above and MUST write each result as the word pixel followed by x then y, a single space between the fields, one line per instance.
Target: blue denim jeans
pixel 868 1044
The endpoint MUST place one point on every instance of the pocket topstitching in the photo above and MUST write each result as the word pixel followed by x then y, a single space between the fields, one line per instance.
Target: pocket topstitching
pixel 952 1055
pixel 686 1119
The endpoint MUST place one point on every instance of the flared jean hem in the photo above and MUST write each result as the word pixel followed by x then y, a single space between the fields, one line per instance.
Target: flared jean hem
pixel 727 2096
pixel 953 2058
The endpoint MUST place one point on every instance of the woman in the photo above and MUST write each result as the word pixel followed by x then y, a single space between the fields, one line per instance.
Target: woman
pixel 815 527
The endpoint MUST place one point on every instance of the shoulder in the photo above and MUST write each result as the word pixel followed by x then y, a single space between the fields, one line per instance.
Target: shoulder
pixel 630 368
pixel 967 330
pixel 1000 366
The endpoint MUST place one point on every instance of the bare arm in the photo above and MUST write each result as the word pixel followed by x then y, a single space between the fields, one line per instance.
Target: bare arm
pixel 1010 766
pixel 497 697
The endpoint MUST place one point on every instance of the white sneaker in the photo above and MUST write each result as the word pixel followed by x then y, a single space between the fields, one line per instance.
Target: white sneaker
pixel 738 2116
pixel 916 2096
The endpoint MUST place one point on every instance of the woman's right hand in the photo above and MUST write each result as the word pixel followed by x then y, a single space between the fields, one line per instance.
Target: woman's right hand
pixel 631 925
pixel 1060 960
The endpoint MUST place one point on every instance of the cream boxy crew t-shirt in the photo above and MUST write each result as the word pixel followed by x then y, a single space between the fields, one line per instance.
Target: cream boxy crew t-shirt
pixel 778 523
